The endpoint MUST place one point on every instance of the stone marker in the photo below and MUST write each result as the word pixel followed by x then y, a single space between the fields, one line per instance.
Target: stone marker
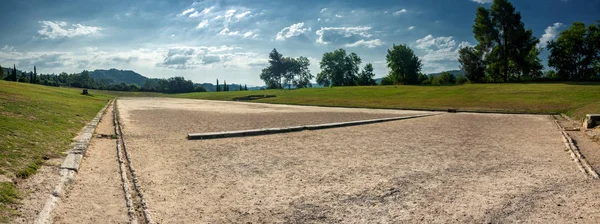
pixel 591 120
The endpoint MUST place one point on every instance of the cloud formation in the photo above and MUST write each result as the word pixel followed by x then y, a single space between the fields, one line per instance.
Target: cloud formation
pixel 366 43
pixel 61 29
pixel 396 13
pixel 345 35
pixel 550 34
pixel 292 31
pixel 439 52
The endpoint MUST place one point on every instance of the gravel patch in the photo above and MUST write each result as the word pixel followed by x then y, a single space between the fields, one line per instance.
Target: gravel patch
pixel 447 168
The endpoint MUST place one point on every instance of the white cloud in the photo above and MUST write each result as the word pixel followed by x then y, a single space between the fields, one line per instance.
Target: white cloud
pixel 60 29
pixel 412 27
pixel 185 12
pixel 483 1
pixel 550 34
pixel 342 34
pixel 291 31
pixel 242 15
pixel 323 10
pixel 247 34
pixel 195 14
pixel 338 16
pixel 229 14
pixel 206 10
pixel 368 43
pixel 440 52
pixel 202 24
pixel 400 12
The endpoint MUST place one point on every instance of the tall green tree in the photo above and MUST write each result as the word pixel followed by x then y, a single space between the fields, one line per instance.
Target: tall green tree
pixel 471 62
pixel 365 78
pixel 12 74
pixel 404 65
pixel 273 74
pixel 1 73
pixel 218 88
pixel 576 52
pixel 339 68
pixel 297 72
pixel 504 43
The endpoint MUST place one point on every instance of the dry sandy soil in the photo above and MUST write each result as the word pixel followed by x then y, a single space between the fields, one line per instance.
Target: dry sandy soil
pixel 444 168
pixel 96 195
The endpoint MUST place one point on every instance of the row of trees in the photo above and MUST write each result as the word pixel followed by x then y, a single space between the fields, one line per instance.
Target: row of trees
pixel 225 87
pixel 337 69
pixel 506 51
pixel 83 80
pixel 286 71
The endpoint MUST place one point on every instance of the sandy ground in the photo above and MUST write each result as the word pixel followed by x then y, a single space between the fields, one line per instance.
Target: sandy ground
pixel 446 168
pixel 96 195
pixel 35 191
pixel 588 147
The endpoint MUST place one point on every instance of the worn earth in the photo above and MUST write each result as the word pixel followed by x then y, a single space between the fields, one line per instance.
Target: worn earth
pixel 445 168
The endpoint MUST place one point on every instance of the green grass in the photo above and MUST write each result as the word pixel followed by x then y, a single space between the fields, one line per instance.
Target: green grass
pixel 573 99
pixel 36 123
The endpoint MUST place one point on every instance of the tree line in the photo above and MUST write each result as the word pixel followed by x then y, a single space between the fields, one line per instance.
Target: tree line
pixel 506 52
pixel 83 80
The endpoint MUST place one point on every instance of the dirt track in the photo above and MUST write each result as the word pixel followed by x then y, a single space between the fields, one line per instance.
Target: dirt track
pixel 446 168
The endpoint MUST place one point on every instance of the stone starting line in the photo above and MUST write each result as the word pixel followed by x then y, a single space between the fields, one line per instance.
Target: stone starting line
pixel 268 131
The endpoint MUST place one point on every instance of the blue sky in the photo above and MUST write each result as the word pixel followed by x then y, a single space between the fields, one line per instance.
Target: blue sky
pixel 230 40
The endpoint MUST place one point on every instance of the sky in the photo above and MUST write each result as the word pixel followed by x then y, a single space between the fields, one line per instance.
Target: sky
pixel 230 40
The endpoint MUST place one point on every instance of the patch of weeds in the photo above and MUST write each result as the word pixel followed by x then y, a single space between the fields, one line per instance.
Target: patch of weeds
pixel 8 195
pixel 30 169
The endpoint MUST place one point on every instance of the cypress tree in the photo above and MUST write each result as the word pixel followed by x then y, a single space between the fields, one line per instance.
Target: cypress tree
pixel 217 85
pixel 245 87
pixel 35 78
pixel 13 74
pixel 241 87
pixel 1 73
pixel 225 85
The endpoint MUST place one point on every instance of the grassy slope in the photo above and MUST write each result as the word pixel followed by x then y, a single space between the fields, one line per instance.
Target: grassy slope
pixel 573 99
pixel 38 122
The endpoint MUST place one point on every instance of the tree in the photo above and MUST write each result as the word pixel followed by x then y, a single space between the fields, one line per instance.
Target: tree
pixel 339 68
pixel 298 72
pixel 1 73
pixel 245 87
pixel 241 87
pixel 218 85
pixel 365 78
pixel 471 62
pixel 225 88
pixel 505 45
pixel 404 65
pixel 273 74
pixel 12 75
pixel 576 52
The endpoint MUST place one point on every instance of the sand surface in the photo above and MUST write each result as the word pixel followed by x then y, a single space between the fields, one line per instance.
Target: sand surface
pixel 96 196
pixel 444 168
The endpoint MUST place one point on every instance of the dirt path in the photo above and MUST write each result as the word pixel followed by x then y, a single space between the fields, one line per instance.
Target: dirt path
pixel 96 195
pixel 482 168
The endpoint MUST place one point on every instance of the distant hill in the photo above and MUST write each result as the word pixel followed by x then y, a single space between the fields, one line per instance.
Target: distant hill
pixel 118 76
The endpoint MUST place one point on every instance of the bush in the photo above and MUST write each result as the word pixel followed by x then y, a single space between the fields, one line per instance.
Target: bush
pixel 446 78
pixel 461 79
pixel 387 81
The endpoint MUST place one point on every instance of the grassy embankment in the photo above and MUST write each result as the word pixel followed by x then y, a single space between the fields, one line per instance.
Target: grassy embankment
pixel 37 123
pixel 572 99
